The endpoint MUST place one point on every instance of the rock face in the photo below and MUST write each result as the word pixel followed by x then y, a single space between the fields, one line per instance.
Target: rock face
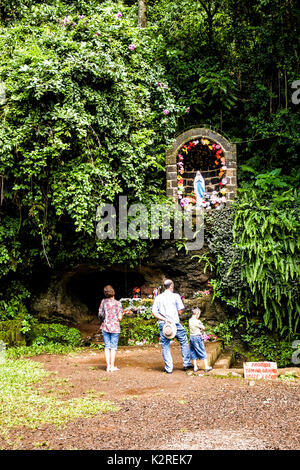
pixel 183 268
pixel 74 294
pixel 56 303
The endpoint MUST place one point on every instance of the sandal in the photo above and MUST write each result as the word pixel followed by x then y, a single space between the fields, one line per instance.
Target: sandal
pixel 209 369
pixel 113 369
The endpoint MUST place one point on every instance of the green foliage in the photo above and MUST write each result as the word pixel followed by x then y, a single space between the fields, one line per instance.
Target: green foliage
pixel 138 329
pixel 10 332
pixel 44 333
pixel 255 341
pixel 256 251
pixel 266 233
pixel 83 123
pixel 12 300
pixel 219 237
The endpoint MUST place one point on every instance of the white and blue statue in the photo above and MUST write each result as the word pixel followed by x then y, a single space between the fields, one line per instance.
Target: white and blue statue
pixel 199 188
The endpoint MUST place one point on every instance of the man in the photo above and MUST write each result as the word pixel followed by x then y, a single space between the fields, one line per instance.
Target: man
pixel 168 306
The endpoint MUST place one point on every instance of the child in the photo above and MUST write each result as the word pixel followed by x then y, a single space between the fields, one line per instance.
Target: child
pixel 197 348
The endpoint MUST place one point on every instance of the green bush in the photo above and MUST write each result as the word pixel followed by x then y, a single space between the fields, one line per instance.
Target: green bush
pixel 138 330
pixel 253 341
pixel 54 333
pixel 10 332
pixel 255 248
pixel 13 296
pixel 36 349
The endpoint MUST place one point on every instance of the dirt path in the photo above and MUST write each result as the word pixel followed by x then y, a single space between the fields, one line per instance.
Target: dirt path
pixel 162 411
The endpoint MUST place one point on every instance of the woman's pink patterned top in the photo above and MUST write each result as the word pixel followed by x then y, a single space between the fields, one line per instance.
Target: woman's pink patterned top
pixel 112 310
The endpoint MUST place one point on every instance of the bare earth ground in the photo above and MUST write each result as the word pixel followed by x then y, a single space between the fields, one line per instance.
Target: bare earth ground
pixel 161 411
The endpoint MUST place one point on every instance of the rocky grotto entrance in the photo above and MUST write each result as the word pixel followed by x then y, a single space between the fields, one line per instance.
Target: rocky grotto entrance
pixel 88 286
pixel 73 296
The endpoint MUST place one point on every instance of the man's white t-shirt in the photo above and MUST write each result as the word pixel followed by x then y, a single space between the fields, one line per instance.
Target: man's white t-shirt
pixel 168 304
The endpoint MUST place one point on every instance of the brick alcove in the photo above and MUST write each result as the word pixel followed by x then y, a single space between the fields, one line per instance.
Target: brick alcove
pixel 229 152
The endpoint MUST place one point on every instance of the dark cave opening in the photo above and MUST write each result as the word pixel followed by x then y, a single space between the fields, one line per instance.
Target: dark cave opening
pixel 87 286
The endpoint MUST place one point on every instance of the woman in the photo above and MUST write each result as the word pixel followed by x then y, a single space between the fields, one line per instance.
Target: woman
pixel 113 314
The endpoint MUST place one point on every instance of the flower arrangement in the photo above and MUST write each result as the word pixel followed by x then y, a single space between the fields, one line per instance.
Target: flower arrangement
pixel 137 307
pixel 136 292
pixel 216 199
pixel 133 342
pixel 201 293
pixel 127 311
pixel 209 337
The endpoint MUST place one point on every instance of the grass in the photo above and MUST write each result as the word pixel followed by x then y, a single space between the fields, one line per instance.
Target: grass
pixel 23 404
pixel 36 349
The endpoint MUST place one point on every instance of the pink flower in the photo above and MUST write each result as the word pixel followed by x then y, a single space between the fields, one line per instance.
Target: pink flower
pixel 184 202
pixel 188 109
pixel 97 34
pixel 158 84
pixel 131 47
pixel 224 181
pixel 166 111
pixel 119 14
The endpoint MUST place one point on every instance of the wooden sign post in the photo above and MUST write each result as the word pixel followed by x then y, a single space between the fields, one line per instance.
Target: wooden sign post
pixel 260 370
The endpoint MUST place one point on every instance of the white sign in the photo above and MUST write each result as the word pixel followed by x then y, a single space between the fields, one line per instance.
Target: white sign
pixel 260 370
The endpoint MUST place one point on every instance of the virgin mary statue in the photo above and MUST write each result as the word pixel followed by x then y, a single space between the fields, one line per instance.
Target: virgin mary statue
pixel 199 188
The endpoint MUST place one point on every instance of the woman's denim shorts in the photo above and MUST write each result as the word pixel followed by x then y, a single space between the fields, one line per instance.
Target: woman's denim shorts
pixel 110 340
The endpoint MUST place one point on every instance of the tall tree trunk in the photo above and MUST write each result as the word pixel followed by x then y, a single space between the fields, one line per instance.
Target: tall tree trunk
pixel 142 15
pixel 271 91
pixel 279 90
pixel 2 190
pixel 285 90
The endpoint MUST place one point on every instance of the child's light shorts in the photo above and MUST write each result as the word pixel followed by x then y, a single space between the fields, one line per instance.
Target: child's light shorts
pixel 197 348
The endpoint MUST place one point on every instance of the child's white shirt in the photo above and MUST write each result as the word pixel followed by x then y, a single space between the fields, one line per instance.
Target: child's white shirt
pixel 195 326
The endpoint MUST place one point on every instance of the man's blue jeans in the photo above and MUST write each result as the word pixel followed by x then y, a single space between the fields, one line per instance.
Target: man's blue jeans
pixel 184 344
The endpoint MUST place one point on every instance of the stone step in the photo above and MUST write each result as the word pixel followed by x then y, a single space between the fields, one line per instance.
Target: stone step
pixel 224 361
pixel 213 351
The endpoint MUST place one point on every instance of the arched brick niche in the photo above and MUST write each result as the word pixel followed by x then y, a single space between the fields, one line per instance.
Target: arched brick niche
pixel 228 151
